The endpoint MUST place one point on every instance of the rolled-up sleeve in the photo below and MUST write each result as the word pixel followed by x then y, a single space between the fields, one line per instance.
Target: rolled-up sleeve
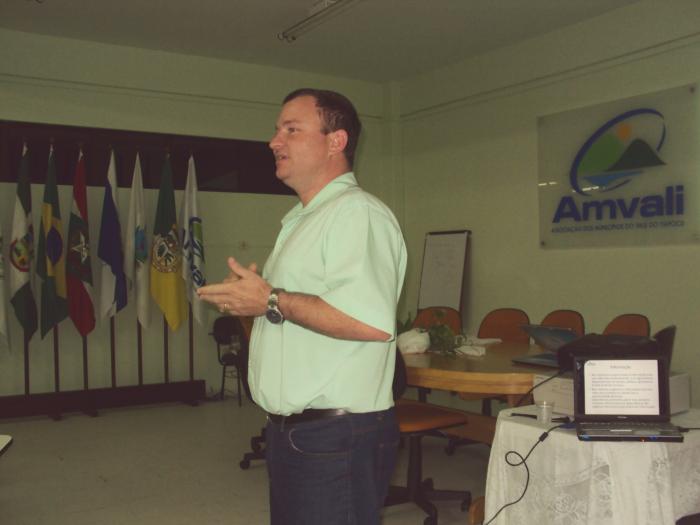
pixel 364 261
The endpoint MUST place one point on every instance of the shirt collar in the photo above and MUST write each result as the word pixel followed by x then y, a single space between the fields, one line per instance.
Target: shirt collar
pixel 330 190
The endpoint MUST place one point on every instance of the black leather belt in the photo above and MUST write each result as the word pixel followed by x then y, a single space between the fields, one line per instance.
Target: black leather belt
pixel 310 414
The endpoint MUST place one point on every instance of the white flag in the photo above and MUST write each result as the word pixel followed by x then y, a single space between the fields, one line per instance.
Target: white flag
pixel 22 253
pixel 136 252
pixel 4 334
pixel 192 244
pixel 109 250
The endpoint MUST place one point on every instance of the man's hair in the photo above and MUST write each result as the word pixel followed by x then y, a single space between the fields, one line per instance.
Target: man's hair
pixel 337 112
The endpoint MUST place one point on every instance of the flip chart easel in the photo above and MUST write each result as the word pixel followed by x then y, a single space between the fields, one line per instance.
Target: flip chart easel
pixel 444 273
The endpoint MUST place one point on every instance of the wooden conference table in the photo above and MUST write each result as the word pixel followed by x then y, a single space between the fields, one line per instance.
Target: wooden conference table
pixel 494 373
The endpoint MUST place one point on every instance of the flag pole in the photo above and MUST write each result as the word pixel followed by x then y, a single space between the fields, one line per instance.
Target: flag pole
pixel 89 409
pixel 139 350
pixel 56 378
pixel 56 415
pixel 112 352
pixel 191 345
pixel 165 350
pixel 85 364
pixel 26 363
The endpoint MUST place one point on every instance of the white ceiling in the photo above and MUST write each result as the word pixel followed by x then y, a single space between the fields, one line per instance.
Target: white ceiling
pixel 375 40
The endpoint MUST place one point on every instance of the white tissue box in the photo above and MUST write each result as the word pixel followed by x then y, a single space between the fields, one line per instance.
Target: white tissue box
pixel 561 391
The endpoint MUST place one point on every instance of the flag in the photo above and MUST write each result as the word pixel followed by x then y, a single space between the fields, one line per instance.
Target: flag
pixel 22 253
pixel 78 268
pixel 109 249
pixel 167 286
pixel 192 237
pixel 136 250
pixel 4 334
pixel 51 257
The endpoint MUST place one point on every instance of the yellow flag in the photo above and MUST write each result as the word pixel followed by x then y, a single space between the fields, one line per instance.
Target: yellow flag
pixel 167 286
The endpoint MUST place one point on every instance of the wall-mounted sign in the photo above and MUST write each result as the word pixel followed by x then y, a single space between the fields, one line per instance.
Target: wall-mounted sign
pixel 621 173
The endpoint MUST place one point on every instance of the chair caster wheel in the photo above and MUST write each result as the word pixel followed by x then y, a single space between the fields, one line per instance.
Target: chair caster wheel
pixel 244 464
pixel 256 444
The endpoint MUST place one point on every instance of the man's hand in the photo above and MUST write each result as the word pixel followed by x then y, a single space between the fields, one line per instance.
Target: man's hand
pixel 233 276
pixel 242 292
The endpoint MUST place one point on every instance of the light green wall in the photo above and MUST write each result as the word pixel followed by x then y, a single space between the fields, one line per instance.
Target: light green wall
pixel 61 81
pixel 469 152
pixel 451 149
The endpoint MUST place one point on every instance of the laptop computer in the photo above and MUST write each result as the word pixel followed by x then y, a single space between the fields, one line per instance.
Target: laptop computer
pixel 622 398
pixel 550 339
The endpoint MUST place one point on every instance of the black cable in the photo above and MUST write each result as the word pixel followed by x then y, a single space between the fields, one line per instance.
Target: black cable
pixel 526 394
pixel 522 462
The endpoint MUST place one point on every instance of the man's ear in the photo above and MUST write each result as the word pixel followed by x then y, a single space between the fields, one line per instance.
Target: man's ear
pixel 337 140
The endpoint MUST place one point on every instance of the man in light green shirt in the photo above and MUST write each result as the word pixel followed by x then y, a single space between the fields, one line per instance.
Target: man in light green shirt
pixel 342 247
pixel 323 344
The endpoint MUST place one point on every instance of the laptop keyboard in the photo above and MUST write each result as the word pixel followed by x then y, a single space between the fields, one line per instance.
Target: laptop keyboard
pixel 640 427
pixel 636 424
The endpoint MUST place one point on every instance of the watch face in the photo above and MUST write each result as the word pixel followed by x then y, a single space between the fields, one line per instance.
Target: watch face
pixel 274 316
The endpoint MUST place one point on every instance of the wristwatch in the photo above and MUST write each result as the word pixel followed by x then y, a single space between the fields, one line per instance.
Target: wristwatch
pixel 273 313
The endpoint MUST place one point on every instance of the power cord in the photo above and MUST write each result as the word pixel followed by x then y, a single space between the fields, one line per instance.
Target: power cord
pixel 527 394
pixel 522 462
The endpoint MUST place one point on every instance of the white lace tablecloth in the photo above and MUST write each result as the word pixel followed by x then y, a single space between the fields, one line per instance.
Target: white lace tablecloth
pixel 601 483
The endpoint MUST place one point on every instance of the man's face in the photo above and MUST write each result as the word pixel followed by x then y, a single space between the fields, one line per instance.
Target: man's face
pixel 301 150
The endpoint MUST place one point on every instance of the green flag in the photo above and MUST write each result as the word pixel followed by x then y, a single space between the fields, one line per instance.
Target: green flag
pixel 51 257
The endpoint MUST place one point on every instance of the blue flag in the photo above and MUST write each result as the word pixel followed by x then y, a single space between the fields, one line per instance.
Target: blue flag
pixel 110 251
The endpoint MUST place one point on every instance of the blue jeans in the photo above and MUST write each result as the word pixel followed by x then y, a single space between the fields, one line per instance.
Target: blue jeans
pixel 332 471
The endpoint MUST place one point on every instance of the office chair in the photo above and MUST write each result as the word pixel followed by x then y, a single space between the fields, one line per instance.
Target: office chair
pixel 257 450
pixel 437 315
pixel 628 324
pixel 505 324
pixel 565 319
pixel 434 315
pixel 256 442
pixel 417 420
pixel 665 339
pixel 228 333
pixel 450 317
pixel 691 519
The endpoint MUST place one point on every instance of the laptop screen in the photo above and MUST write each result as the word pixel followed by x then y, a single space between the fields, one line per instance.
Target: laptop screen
pixel 617 388
pixel 550 338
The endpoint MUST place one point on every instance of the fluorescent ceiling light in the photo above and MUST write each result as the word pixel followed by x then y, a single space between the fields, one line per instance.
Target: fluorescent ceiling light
pixel 319 13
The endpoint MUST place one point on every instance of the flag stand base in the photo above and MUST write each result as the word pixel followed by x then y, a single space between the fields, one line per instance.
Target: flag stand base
pixel 54 404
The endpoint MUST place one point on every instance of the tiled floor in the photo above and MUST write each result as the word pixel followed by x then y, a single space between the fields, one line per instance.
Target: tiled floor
pixel 171 464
